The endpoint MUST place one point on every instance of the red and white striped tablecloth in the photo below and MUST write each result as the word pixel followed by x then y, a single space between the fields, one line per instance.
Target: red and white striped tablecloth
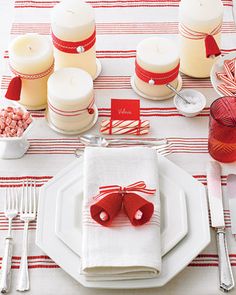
pixel 121 24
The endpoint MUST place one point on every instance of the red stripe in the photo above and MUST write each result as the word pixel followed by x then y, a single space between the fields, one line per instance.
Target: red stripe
pixel 116 28
pixel 108 4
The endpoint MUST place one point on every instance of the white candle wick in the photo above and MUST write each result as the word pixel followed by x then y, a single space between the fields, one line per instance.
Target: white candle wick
pixel 138 215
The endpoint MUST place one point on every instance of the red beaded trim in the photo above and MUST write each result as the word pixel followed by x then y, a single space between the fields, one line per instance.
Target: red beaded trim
pixel 33 76
pixel 74 47
pixel 156 78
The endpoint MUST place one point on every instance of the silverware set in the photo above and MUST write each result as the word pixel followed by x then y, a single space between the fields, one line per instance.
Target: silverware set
pixel 226 279
pixel 160 144
pixel 27 211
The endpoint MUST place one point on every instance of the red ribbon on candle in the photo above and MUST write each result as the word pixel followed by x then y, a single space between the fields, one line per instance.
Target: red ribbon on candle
pixel 156 78
pixel 112 197
pixel 14 87
pixel 74 47
pixel 212 48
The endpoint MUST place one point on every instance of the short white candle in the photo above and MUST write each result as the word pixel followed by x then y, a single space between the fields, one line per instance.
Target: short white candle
pixel 32 54
pixel 73 20
pixel 69 90
pixel 200 16
pixel 157 55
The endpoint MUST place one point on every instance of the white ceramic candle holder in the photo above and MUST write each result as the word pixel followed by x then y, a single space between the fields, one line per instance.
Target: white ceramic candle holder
pixel 13 147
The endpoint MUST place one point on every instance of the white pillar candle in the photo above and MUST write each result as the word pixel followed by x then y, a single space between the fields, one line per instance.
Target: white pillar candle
pixel 70 100
pixel 29 55
pixel 200 16
pixel 73 21
pixel 156 55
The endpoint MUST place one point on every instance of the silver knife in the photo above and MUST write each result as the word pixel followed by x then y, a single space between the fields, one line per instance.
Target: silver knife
pixel 217 221
pixel 231 194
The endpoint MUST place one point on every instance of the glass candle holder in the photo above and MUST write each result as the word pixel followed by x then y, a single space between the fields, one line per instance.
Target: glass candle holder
pixel 222 129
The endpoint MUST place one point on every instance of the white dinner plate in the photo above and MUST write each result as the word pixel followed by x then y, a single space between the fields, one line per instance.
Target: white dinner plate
pixel 173 262
pixel 68 221
pixel 219 67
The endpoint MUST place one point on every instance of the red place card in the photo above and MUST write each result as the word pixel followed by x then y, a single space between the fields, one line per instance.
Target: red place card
pixel 125 109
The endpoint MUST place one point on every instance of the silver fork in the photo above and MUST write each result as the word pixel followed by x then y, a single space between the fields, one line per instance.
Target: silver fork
pixel 10 211
pixel 27 214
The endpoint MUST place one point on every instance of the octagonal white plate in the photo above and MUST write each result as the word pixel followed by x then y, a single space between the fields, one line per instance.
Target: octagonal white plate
pixel 68 221
pixel 173 262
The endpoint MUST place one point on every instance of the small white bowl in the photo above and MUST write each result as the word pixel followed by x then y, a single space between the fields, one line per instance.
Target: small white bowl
pixel 13 147
pixel 192 112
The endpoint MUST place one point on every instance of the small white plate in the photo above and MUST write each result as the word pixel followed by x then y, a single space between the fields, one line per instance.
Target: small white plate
pixel 73 132
pixel 218 66
pixel 99 68
pixel 134 87
pixel 68 222
pixel 197 238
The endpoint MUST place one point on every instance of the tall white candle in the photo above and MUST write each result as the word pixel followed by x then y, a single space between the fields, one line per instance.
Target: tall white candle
pixel 70 99
pixel 73 21
pixel 32 54
pixel 200 16
pixel 157 55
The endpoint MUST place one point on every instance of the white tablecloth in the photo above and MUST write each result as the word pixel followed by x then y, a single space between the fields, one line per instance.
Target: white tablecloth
pixel 121 24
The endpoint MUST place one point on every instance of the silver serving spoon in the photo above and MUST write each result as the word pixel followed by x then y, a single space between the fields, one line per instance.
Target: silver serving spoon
pixel 178 94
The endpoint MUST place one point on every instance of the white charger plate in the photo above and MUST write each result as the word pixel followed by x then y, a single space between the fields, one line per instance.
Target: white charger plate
pixel 218 66
pixel 68 221
pixel 197 238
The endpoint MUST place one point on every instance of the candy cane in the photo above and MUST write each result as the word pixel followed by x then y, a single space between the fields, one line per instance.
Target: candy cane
pixel 228 81
pixel 230 88
pixel 132 130
pixel 228 71
pixel 224 90
pixel 124 123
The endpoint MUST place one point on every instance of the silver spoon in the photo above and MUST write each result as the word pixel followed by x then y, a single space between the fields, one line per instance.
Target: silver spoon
pixel 99 141
pixel 178 94
pixel 94 140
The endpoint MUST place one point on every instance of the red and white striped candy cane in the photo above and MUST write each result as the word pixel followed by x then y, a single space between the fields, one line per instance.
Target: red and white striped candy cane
pixel 135 131
pixel 124 123
pixel 137 127
pixel 223 90
pixel 228 70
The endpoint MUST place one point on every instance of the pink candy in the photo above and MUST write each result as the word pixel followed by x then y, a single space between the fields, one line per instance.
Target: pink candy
pixel 13 122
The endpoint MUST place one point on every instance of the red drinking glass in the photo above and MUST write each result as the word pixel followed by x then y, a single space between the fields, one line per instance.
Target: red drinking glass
pixel 222 129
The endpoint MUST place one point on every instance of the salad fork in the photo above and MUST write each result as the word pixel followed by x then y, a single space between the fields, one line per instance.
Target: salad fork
pixel 27 214
pixel 10 211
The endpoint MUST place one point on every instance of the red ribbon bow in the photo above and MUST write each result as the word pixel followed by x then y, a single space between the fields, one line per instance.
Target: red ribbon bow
pixel 113 197
pixel 211 46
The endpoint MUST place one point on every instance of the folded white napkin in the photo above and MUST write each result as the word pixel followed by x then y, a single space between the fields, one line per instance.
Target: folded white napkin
pixel 121 251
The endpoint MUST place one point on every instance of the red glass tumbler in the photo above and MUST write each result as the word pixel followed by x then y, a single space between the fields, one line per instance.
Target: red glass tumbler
pixel 222 129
